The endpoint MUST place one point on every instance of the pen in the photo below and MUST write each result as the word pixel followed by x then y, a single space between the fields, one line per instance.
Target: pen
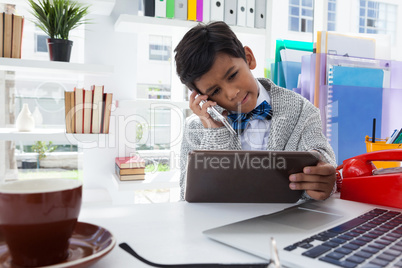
pixel 220 118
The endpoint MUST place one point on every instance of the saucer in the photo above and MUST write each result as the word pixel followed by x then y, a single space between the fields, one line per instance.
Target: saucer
pixel 88 244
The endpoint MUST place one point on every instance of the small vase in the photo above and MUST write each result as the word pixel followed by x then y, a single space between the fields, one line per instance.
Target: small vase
pixel 59 49
pixel 25 121
pixel 37 115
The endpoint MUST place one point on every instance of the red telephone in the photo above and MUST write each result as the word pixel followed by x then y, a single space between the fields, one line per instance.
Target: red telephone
pixel 359 183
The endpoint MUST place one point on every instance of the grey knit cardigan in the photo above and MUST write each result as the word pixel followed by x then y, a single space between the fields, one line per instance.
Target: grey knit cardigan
pixel 295 126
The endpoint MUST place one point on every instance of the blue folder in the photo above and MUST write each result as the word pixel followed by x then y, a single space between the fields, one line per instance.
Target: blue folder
pixel 356 99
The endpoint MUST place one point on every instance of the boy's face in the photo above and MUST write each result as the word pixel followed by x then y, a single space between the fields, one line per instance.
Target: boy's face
pixel 230 82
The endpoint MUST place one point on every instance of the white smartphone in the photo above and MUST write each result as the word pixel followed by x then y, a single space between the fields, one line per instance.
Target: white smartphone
pixel 220 118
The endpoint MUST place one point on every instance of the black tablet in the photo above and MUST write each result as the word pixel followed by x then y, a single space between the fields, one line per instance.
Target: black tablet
pixel 245 176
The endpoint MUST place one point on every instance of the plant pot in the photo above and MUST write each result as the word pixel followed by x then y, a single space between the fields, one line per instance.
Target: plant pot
pixel 59 49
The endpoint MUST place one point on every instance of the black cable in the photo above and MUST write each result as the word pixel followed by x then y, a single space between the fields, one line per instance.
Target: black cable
pixel 128 249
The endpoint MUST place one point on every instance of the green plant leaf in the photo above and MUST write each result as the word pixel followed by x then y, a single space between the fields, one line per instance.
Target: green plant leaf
pixel 58 17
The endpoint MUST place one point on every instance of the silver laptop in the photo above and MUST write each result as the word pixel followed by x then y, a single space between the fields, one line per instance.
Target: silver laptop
pixel 332 233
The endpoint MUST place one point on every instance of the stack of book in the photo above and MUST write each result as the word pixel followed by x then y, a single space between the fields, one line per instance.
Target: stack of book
pixel 87 111
pixel 130 168
pixel 11 27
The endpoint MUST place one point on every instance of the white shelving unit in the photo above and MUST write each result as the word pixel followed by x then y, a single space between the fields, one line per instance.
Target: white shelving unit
pixel 55 135
pixel 51 67
pixel 135 24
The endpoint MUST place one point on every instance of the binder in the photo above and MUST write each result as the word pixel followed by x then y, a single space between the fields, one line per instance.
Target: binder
pixel 206 11
pixel 180 9
pixel 199 10
pixel 241 12
pixel 250 13
pixel 230 12
pixel 192 10
pixel 217 10
pixel 354 99
pixel 170 9
pixel 260 13
pixel 149 8
pixel 160 8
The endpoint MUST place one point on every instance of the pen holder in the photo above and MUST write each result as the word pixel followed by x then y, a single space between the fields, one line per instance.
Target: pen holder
pixel 378 145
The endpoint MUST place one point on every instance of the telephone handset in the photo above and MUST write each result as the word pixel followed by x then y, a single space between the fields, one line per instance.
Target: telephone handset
pixel 359 183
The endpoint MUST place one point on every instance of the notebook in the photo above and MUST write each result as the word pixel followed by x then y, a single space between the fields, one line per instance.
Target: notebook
pixel 331 233
pixel 244 176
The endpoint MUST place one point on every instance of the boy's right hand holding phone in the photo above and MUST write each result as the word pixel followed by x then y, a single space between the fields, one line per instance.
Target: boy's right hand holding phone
pixel 201 111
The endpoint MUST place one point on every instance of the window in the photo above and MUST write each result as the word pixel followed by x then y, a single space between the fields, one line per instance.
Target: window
pixel 377 18
pixel 301 15
pixel 331 15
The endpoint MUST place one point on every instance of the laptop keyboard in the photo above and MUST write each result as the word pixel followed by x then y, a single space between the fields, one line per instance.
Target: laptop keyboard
pixel 373 239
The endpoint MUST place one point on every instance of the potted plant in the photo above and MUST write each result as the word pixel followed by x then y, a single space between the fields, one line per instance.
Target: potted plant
pixel 42 149
pixel 57 18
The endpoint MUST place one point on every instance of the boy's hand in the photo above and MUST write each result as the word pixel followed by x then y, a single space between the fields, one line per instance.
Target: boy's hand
pixel 206 119
pixel 318 181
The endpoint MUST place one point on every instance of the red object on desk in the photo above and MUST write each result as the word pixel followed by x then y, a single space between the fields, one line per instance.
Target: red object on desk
pixel 363 183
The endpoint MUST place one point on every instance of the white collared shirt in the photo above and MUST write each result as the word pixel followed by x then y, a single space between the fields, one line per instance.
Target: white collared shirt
pixel 255 136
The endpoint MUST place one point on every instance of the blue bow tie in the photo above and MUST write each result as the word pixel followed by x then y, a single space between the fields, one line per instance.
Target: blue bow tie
pixel 240 121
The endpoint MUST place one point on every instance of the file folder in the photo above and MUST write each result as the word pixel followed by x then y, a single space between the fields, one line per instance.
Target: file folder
pixel 260 13
pixel 149 8
pixel 241 12
pixel 170 9
pixel 217 10
pixel 230 12
pixel 192 10
pixel 180 9
pixel 250 13
pixel 200 10
pixel 160 8
pixel 354 99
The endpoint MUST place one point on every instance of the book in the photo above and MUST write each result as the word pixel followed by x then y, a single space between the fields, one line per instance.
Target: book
pixel 160 8
pixel 199 9
pixel 87 111
pixel 217 10
pixel 129 171
pixel 192 10
pixel 97 108
pixel 107 108
pixel 1 35
pixel 16 36
pixel 230 12
pixel 130 162
pixel 149 8
pixel 131 177
pixel 170 9
pixel 69 110
pixel 241 12
pixel 250 16
pixel 7 34
pixel 79 110
pixel 180 9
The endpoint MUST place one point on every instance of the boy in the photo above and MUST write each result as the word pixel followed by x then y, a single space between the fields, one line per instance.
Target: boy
pixel 213 63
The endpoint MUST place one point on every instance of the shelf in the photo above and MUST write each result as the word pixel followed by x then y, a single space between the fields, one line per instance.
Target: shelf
pixel 9 64
pixel 146 103
pixel 163 26
pixel 54 135
pixel 98 7
pixel 159 180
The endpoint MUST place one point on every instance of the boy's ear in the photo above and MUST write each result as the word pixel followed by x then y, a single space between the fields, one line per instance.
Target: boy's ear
pixel 252 63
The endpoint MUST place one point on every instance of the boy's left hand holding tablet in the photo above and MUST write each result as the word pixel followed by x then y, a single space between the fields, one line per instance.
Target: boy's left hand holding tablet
pixel 318 181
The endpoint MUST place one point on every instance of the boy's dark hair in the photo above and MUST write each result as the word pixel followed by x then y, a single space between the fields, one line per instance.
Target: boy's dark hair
pixel 196 52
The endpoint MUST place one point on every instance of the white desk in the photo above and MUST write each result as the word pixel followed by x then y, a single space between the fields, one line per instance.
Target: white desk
pixel 171 232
